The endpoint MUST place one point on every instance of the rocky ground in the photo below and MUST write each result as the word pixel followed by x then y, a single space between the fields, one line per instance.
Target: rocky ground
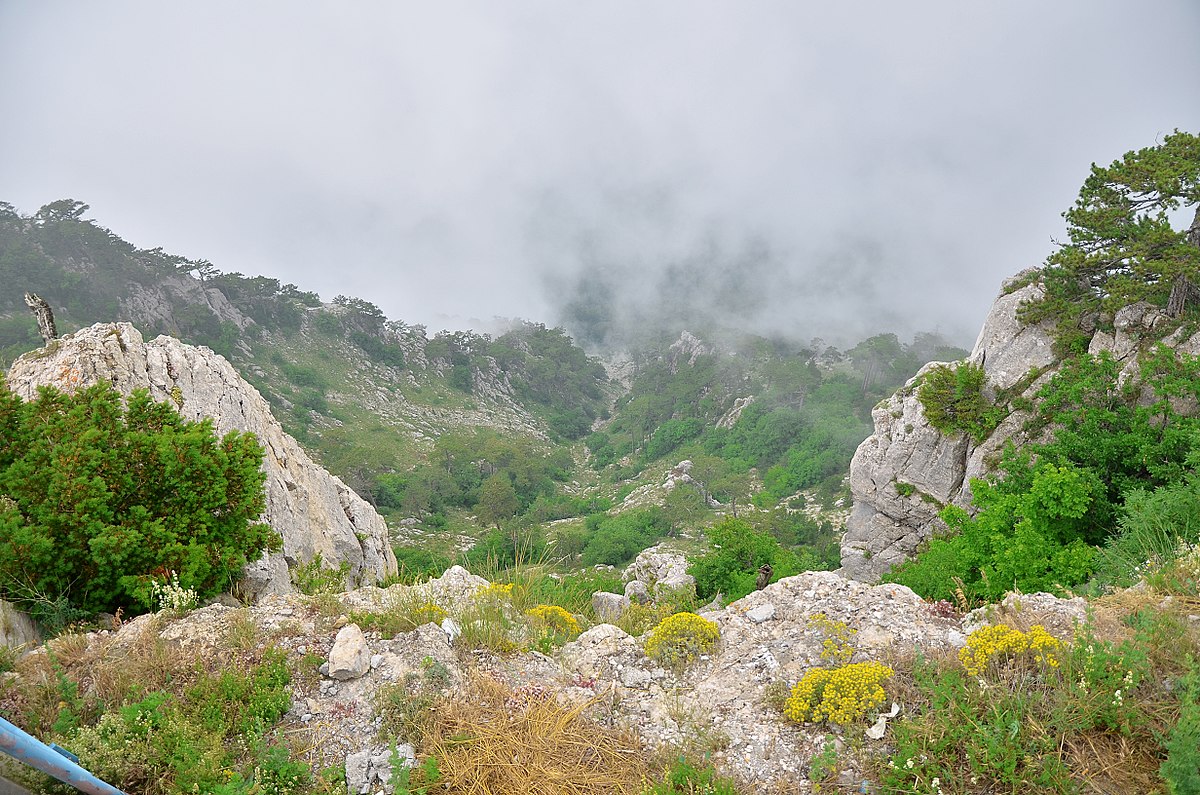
pixel 727 703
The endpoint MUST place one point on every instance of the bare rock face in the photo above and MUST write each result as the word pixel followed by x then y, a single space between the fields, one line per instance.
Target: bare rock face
pixel 16 628
pixel 662 572
pixel 907 471
pixel 155 304
pixel 314 512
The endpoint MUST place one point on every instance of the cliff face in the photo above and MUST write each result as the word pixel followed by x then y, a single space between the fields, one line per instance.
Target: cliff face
pixel 888 523
pixel 315 512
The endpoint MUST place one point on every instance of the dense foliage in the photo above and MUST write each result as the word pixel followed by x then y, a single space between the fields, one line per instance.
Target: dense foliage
pixel 99 499
pixel 954 402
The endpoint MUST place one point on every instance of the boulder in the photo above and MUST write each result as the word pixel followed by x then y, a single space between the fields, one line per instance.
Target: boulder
pixel 16 628
pixel 609 606
pixel 314 511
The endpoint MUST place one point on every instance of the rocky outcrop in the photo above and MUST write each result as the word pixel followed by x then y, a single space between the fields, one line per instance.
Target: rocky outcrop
pixel 769 638
pixel 661 572
pixel 154 305
pixel 768 641
pixel 315 512
pixel 907 471
pixel 16 628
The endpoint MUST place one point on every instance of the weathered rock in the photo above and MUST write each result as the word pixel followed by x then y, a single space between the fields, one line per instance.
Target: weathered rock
pixel 456 588
pixel 1006 349
pixel 370 770
pixel 154 305
pixel 761 613
pixel 726 691
pixel 350 656
pixel 1059 616
pixel 636 591
pixel 907 471
pixel 314 512
pixel 662 572
pixel 886 525
pixel 16 628
pixel 609 606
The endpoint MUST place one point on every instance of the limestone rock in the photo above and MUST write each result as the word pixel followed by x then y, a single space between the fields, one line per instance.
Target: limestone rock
pixel 609 606
pixel 600 652
pixel 370 770
pixel 1059 616
pixel 454 590
pixel 16 628
pixel 907 471
pixel 314 512
pixel 1005 349
pixel 636 591
pixel 687 348
pixel 155 304
pixel 350 657
pixel 662 572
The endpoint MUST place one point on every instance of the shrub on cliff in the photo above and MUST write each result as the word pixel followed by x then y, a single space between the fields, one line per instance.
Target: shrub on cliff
pixel 98 499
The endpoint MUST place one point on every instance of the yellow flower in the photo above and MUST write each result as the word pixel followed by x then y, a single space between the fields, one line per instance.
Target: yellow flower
pixel 840 695
pixel 554 618
pixel 987 643
pixel 680 639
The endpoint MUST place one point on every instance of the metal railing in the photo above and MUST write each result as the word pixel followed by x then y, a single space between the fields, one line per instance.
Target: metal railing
pixel 51 760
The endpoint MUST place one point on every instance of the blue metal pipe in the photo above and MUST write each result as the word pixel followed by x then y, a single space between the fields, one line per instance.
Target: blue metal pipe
pixel 51 760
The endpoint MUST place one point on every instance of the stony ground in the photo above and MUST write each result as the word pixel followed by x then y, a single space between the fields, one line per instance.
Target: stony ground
pixel 727 703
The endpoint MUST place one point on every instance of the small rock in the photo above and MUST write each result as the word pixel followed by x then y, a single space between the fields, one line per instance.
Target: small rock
pixel 370 770
pixel 376 661
pixel 761 613
pixel 350 657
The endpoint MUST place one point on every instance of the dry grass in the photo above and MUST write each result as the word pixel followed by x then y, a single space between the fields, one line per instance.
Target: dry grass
pixel 1109 763
pixel 490 740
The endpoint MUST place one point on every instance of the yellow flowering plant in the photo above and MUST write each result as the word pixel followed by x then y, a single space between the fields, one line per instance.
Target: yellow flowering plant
pixel 840 695
pixel 680 639
pixel 1000 640
pixel 554 619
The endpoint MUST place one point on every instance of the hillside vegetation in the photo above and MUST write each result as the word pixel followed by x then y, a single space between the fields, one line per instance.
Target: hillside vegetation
pixel 733 447
pixel 516 444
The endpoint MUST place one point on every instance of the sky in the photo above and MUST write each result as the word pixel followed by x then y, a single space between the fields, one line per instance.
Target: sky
pixel 808 169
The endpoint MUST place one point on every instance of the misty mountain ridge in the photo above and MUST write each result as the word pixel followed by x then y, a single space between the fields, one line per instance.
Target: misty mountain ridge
pixel 379 402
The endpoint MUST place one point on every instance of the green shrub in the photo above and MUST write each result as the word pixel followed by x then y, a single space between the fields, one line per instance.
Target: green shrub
pixel 736 551
pixel 101 498
pixel 954 402
pixel 1181 769
pixel 685 778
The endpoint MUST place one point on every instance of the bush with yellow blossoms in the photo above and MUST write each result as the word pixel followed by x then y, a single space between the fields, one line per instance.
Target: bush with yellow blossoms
pixel 554 619
pixel 679 640
pixel 988 643
pixel 840 695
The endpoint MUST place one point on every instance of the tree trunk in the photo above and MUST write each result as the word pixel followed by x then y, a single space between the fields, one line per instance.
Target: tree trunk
pixel 45 318
pixel 1183 290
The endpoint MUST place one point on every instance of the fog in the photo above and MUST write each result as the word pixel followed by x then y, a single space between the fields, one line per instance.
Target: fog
pixel 787 167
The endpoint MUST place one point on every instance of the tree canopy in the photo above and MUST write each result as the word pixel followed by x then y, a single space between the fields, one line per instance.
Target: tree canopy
pixel 1123 246
pixel 99 498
